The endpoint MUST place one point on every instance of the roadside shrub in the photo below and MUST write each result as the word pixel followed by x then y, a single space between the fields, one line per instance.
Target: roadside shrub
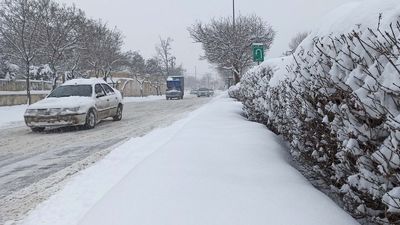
pixel 233 91
pixel 337 101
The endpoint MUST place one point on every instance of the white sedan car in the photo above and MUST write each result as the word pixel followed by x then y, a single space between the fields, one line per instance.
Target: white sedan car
pixel 74 103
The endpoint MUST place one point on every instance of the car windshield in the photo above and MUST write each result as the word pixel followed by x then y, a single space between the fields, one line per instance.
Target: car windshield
pixel 174 85
pixel 72 90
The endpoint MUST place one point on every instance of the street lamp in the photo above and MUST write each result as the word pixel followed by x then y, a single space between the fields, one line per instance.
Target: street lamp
pixel 234 31
pixel 233 8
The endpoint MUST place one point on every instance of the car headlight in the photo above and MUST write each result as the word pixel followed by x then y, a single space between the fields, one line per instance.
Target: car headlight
pixel 75 109
pixel 30 111
pixel 54 111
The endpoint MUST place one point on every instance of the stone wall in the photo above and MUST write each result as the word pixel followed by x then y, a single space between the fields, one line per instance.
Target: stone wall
pixel 19 99
pixel 20 85
pixel 128 87
pixel 131 88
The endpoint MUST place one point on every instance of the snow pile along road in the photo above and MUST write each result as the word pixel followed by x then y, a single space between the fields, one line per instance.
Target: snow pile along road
pixel 144 99
pixel 13 115
pixel 214 167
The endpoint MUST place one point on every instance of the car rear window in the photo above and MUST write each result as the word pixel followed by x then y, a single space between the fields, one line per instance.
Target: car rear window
pixel 71 90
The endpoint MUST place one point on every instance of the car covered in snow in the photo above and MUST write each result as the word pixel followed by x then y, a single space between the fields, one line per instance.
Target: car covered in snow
pixel 193 92
pixel 211 91
pixel 204 92
pixel 78 102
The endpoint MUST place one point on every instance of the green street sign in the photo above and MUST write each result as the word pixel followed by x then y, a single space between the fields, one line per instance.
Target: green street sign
pixel 258 52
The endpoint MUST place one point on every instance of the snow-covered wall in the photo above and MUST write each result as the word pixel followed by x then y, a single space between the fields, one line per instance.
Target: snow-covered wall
pixel 337 100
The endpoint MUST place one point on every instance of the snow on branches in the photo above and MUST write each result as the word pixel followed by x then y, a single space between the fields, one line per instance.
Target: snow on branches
pixel 228 46
pixel 337 101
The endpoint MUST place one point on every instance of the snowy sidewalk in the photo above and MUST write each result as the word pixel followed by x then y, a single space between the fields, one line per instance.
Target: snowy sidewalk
pixel 213 167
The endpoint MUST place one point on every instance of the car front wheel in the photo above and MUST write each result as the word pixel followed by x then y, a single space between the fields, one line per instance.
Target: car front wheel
pixel 118 115
pixel 90 120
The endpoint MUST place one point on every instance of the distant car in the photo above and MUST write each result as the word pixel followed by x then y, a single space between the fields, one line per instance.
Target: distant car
pixel 173 94
pixel 211 92
pixel 193 92
pixel 203 92
pixel 76 102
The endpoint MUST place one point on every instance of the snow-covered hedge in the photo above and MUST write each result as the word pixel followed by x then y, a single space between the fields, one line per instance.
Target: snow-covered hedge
pixel 337 101
pixel 234 91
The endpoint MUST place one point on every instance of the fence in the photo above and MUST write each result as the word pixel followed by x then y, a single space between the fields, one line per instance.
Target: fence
pixel 132 88
pixel 13 92
pixel 20 85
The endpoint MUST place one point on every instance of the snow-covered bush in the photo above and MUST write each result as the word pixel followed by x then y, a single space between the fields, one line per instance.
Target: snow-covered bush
pixel 8 71
pixel 233 91
pixel 42 72
pixel 337 101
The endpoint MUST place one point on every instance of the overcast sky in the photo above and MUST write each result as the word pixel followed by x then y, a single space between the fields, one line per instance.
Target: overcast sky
pixel 144 21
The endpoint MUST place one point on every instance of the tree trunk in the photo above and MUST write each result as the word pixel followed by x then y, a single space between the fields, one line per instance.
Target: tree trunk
pixel 28 85
pixel 236 77
pixel 236 74
pixel 55 78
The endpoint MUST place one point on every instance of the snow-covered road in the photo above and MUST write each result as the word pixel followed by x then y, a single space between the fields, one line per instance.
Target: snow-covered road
pixel 35 165
pixel 213 167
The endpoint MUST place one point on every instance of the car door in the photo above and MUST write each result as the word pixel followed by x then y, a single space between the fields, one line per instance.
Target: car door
pixel 102 102
pixel 113 99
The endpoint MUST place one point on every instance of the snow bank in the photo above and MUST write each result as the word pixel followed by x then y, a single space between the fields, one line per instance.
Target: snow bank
pixel 337 101
pixel 357 15
pixel 213 167
pixel 144 99
pixel 278 67
pixel 11 115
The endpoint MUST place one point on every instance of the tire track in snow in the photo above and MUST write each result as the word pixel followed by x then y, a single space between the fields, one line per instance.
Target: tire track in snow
pixel 35 165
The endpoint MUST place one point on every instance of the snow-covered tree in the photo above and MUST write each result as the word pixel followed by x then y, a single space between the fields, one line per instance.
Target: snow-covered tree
pixel 102 48
pixel 136 65
pixel 8 70
pixel 20 22
pixel 167 60
pixel 63 31
pixel 155 71
pixel 42 72
pixel 228 46
pixel 296 40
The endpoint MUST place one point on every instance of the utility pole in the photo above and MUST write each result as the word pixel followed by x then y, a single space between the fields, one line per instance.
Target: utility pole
pixel 195 76
pixel 208 80
pixel 234 19
pixel 234 33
